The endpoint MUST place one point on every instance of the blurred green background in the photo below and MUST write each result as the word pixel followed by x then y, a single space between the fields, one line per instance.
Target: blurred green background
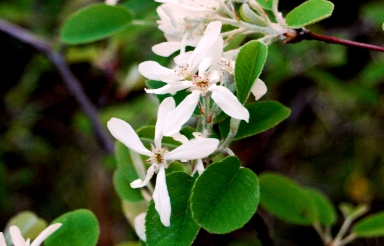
pixel 51 162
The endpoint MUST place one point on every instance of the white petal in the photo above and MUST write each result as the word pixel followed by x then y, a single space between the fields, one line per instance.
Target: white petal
pixel 153 70
pixel 166 48
pixel 161 198
pixel 140 226
pixel 194 149
pixel 166 106
pixel 259 89
pixel 225 99
pixel 180 138
pixel 181 114
pixel 171 88
pixel 46 233
pixel 138 183
pixel 17 238
pixel 199 167
pixel 2 240
pixel 123 132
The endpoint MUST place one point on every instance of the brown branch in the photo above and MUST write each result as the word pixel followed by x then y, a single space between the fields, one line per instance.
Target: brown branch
pixel 303 34
pixel 68 77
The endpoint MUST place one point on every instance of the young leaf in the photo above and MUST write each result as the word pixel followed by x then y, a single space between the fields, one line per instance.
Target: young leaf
pixel 372 226
pixel 93 23
pixel 309 12
pixel 225 196
pixel 80 228
pixel 183 228
pixel 249 63
pixel 125 174
pixel 325 211
pixel 263 116
pixel 286 200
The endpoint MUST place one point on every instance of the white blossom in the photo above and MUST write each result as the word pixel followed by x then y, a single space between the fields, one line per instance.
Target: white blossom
pixel 259 89
pixel 160 157
pixel 18 239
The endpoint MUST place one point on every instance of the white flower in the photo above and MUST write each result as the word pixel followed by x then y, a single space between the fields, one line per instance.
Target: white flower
pixel 139 225
pixel 18 240
pixel 259 89
pixel 160 157
pixel 111 2
pixel 195 71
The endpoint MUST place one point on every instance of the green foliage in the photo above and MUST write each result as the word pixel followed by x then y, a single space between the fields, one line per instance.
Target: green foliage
pixel 266 4
pixel 225 196
pixel 249 63
pixel 325 211
pixel 250 16
pixel 125 174
pixel 263 116
pixel 93 23
pixel 80 228
pixel 372 226
pixel 183 228
pixel 309 12
pixel 286 200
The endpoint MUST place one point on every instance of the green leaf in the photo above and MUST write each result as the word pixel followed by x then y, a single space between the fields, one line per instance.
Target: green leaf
pixel 250 16
pixel 286 200
pixel 266 4
pixel 29 224
pixel 183 228
pixel 325 211
pixel 80 228
pixel 263 116
pixel 93 23
pixel 125 174
pixel 308 13
pixel 249 63
pixel 371 226
pixel 225 196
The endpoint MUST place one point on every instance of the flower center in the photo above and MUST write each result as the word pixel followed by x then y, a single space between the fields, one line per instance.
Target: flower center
pixel 182 71
pixel 200 83
pixel 158 156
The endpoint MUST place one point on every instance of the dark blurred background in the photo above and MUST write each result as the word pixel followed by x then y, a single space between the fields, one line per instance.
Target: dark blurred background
pixel 51 162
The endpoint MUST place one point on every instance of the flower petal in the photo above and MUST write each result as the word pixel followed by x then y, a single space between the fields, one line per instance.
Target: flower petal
pixel 194 149
pixel 181 114
pixel 170 88
pixel 123 132
pixel 228 102
pixel 2 240
pixel 166 106
pixel 199 167
pixel 259 89
pixel 166 48
pixel 161 198
pixel 153 70
pixel 46 233
pixel 17 238
pixel 138 183
pixel 140 226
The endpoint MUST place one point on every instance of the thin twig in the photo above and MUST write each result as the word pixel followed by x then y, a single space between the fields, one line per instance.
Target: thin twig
pixel 304 34
pixel 68 77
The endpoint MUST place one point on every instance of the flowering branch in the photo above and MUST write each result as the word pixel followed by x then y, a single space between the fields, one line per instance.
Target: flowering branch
pixel 68 77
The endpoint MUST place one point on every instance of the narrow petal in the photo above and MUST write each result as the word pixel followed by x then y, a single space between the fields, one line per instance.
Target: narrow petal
pixel 123 132
pixel 161 198
pixel 259 89
pixel 140 226
pixel 225 99
pixel 180 138
pixel 181 114
pixel 166 106
pixel 153 70
pixel 199 167
pixel 2 240
pixel 46 233
pixel 194 149
pixel 17 238
pixel 171 88
pixel 166 48
pixel 138 183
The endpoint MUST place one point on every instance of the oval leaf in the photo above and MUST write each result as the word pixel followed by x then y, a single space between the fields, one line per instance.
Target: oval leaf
pixel 225 196
pixel 80 228
pixel 183 228
pixel 325 211
pixel 266 4
pixel 372 226
pixel 249 63
pixel 308 13
pixel 263 116
pixel 93 23
pixel 286 200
